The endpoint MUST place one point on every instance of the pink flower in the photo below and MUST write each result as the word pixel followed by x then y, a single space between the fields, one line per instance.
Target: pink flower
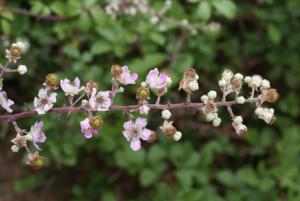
pixel 134 131
pixel 37 133
pixel 126 77
pixel 71 88
pixel 100 101
pixel 157 80
pixel 87 129
pixel 5 102
pixel 45 101
pixel 144 109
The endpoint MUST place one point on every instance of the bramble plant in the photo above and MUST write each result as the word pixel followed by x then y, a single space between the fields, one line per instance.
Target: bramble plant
pixel 90 100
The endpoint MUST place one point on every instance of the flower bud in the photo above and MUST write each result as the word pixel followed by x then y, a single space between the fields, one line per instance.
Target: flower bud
pixel 216 122
pixel 90 86
pixel 96 122
pixel 35 161
pixel 116 70
pixel 52 80
pixel 166 114
pixel 14 148
pixel 22 69
pixel 190 73
pixel 212 94
pixel 240 100
pixel 177 136
pixel 142 94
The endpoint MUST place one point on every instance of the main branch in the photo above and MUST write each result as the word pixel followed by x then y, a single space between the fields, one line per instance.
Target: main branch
pixel 14 117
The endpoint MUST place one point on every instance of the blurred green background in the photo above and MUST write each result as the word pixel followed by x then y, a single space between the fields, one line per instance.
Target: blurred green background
pixel 256 37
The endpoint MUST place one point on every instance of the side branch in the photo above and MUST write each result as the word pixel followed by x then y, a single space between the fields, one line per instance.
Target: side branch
pixel 14 117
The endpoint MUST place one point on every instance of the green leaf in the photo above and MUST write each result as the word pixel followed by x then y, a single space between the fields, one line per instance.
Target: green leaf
pixel 147 177
pixel 158 38
pixel 100 47
pixel 274 34
pixel 204 11
pixel 156 154
pixel 6 27
pixel 84 22
pixel 225 7
pixel 58 8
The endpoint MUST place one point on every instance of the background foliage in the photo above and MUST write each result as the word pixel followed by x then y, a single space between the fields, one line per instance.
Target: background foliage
pixel 256 37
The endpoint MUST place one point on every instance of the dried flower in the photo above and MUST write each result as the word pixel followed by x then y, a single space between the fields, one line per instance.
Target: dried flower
pixel 134 131
pixel 14 52
pixel 168 129
pixel 19 141
pixel 45 101
pixel 269 95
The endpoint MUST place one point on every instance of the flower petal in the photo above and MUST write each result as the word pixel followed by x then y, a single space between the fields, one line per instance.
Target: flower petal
pixel 135 144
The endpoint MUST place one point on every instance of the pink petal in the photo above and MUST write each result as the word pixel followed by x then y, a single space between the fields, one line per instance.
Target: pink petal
pixel 141 122
pixel 135 144
pixel 146 134
pixel 128 124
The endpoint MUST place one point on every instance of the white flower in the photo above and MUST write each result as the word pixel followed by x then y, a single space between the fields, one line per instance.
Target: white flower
pixel 216 122
pixel 5 102
pixel 166 114
pixel 222 83
pixel 240 100
pixel 212 94
pixel 211 116
pixel 154 19
pixel 177 136
pixel 227 75
pixel 45 101
pixel 204 98
pixel 255 82
pixel 247 79
pixel 100 101
pixel 266 114
pixel 71 88
pixel 238 76
pixel 193 86
pixel 238 120
pixel 22 69
pixel 265 84
pixel 144 109
pixel 240 129
pixel 22 46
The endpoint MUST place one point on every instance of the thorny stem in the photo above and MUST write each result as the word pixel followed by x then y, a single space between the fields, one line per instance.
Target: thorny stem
pixel 176 106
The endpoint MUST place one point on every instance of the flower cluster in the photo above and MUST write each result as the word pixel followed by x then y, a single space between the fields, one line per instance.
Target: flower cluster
pixel 127 7
pixel 210 109
pixel 94 101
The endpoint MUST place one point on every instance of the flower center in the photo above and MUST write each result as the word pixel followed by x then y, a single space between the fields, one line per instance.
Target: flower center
pixel 44 101
pixel 100 100
pixel 135 133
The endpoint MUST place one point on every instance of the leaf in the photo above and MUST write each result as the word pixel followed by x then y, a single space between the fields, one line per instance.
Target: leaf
pixel 225 7
pixel 158 38
pixel 147 177
pixel 274 34
pixel 100 47
pixel 204 11
pixel 156 154
pixel 6 27
pixel 84 22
